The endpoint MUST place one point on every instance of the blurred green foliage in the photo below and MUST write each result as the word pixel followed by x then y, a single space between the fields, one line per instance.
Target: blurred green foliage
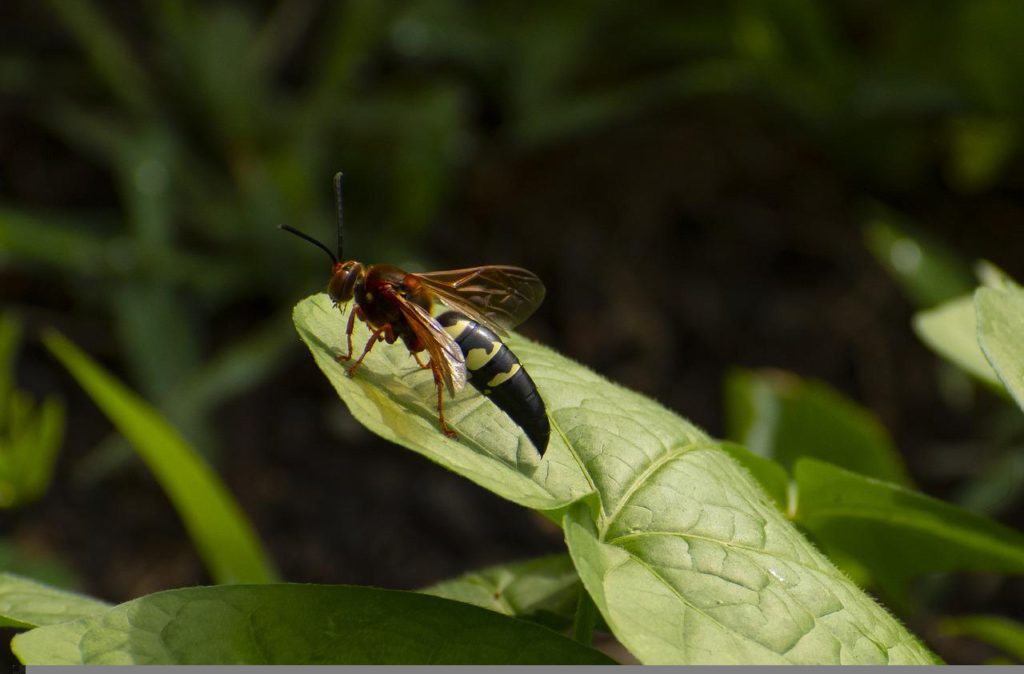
pixel 896 534
pixel 217 121
pixel 831 466
pixel 30 434
pixel 779 416
pixel 927 270
pixel 1005 634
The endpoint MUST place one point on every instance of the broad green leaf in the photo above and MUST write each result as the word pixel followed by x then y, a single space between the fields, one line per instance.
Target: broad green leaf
pixel 780 416
pixel 298 625
pixel 1001 335
pixel 700 568
pixel 898 533
pixel 1005 634
pixel 928 272
pixel 950 331
pixel 658 501
pixel 224 538
pixel 26 603
pixel 543 588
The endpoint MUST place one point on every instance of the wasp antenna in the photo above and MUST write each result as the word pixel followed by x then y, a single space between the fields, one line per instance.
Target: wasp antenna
pixel 339 181
pixel 307 237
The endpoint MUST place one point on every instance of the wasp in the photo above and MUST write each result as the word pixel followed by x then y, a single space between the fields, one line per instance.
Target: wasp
pixel 463 343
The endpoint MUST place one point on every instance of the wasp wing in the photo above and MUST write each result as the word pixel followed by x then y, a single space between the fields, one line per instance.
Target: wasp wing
pixel 501 295
pixel 444 352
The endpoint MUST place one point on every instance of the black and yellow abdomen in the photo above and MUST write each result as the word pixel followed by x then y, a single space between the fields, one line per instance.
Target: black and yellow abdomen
pixel 496 372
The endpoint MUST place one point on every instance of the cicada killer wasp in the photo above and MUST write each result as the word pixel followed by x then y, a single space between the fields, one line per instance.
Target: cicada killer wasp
pixel 462 343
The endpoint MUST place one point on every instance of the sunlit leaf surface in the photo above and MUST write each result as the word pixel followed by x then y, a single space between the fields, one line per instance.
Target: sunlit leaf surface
pixel 26 603
pixel 687 558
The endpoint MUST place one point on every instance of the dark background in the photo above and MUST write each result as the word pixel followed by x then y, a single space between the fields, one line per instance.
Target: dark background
pixel 691 180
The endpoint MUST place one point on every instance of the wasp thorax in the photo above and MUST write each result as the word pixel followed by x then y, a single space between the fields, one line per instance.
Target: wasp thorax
pixel 343 280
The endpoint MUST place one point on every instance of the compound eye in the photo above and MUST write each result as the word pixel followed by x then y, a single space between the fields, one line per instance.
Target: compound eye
pixel 338 287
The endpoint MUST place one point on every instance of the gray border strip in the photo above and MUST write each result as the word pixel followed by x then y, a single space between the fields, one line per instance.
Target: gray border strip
pixel 165 669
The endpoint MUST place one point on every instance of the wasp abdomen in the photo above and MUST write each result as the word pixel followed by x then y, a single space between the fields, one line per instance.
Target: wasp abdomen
pixel 496 372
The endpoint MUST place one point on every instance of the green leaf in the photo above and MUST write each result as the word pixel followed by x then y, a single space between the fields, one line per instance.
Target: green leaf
pixel 1005 634
pixel 898 533
pixel 298 625
pixel 546 587
pixel 674 541
pixel 26 603
pixel 1000 333
pixel 700 568
pixel 950 331
pixel 783 417
pixel 224 538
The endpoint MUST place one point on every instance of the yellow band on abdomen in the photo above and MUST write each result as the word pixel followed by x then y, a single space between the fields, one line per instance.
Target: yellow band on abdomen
pixel 503 377
pixel 477 358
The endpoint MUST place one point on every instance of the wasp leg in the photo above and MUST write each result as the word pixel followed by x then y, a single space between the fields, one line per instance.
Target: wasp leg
pixel 445 428
pixel 374 338
pixel 348 331
pixel 418 361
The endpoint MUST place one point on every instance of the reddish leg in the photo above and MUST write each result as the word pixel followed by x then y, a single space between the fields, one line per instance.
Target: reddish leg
pixel 348 331
pixel 418 361
pixel 374 338
pixel 445 428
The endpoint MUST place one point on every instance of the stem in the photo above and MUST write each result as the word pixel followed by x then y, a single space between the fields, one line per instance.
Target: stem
pixel 586 616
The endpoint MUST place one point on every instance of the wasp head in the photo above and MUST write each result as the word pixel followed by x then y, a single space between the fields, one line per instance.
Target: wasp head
pixel 344 277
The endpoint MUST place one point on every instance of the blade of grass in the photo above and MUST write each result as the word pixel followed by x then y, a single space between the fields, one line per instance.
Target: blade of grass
pixel 224 538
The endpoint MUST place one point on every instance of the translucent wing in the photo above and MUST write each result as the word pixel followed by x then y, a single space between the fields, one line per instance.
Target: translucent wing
pixel 444 352
pixel 502 296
